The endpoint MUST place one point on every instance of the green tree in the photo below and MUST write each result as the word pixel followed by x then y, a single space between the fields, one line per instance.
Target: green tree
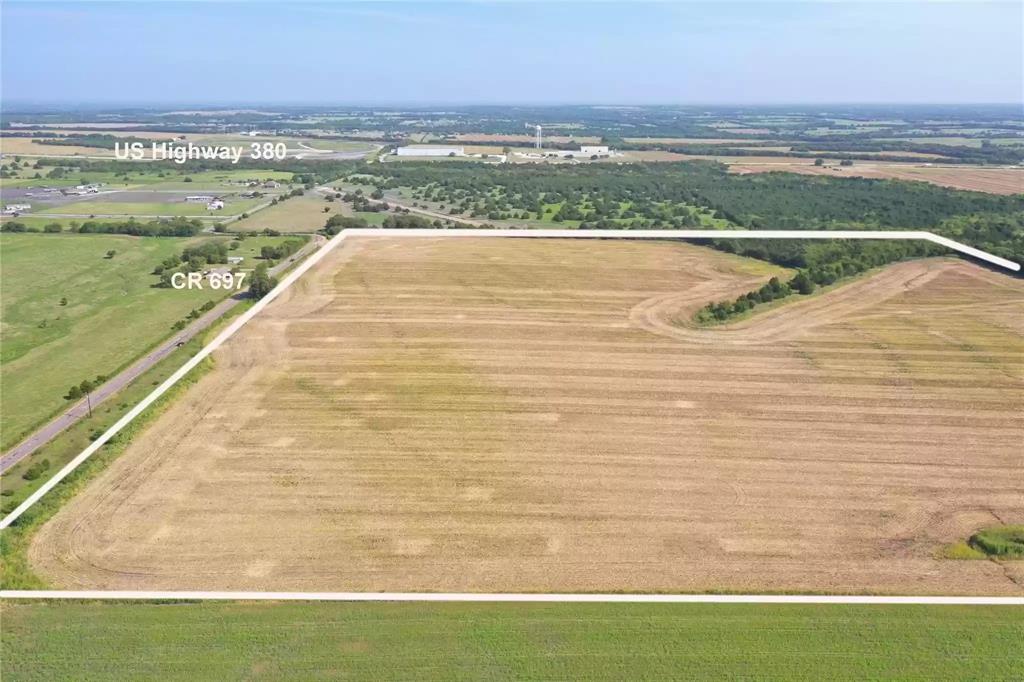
pixel 261 282
pixel 802 284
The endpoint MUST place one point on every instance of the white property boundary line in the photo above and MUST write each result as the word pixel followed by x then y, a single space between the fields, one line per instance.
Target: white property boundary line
pixel 569 597
pixel 467 232
pixel 398 596
pixel 694 234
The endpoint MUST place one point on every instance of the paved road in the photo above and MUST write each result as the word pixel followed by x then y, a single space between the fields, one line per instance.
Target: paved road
pixel 81 409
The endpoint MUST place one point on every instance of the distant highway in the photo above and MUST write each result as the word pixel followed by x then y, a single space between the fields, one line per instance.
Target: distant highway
pixel 112 386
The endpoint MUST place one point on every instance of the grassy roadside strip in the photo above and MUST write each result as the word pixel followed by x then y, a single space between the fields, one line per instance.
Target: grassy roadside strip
pixel 249 248
pixel 14 569
pixel 324 640
pixel 76 438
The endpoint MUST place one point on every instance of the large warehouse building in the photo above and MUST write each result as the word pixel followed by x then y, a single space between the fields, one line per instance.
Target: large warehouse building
pixel 415 150
pixel 594 150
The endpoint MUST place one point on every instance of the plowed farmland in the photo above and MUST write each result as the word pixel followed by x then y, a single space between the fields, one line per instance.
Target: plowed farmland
pixel 972 178
pixel 534 415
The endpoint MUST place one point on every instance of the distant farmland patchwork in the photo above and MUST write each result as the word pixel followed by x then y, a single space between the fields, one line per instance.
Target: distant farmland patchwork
pixel 533 415
pixel 972 178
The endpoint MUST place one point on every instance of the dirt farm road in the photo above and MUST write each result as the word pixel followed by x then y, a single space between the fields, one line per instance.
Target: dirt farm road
pixel 112 386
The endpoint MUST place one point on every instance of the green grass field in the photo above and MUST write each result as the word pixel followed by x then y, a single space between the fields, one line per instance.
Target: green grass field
pixel 298 214
pixel 372 218
pixel 178 208
pixel 249 247
pixel 112 315
pixel 14 571
pixel 100 641
pixel 161 178
pixel 139 176
pixel 219 180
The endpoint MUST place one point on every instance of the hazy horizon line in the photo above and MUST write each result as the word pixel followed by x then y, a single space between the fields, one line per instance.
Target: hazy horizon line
pixel 13 106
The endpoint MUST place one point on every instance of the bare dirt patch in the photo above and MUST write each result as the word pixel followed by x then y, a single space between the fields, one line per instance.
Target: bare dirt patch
pixel 519 415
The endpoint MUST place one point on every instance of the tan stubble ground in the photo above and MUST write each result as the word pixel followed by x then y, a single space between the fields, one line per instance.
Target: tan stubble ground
pixel 524 415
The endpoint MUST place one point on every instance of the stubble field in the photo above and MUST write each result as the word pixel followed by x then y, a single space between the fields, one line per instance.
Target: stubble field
pixel 971 178
pixel 535 415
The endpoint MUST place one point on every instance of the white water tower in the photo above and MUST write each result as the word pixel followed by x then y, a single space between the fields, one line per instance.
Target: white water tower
pixel 538 140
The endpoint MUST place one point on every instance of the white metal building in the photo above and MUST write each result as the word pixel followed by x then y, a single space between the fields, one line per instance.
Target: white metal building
pixel 584 152
pixel 430 151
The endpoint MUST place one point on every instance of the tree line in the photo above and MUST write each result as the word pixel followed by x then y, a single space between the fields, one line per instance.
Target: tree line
pixel 164 227
pixel 95 140
pixel 671 195
pixel 818 264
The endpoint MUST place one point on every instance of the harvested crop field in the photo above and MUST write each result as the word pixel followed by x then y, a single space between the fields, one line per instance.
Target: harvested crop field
pixel 972 178
pixel 525 415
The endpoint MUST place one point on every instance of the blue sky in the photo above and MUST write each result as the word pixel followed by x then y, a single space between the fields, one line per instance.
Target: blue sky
pixel 512 52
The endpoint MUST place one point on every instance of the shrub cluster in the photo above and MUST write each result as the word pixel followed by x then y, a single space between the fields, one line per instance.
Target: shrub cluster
pixel 406 221
pixel 193 314
pixel 1002 541
pixel 819 263
pixel 774 289
pixel 362 204
pixel 262 282
pixel 337 223
pixel 192 259
pixel 36 470
pixel 282 250
pixel 83 389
